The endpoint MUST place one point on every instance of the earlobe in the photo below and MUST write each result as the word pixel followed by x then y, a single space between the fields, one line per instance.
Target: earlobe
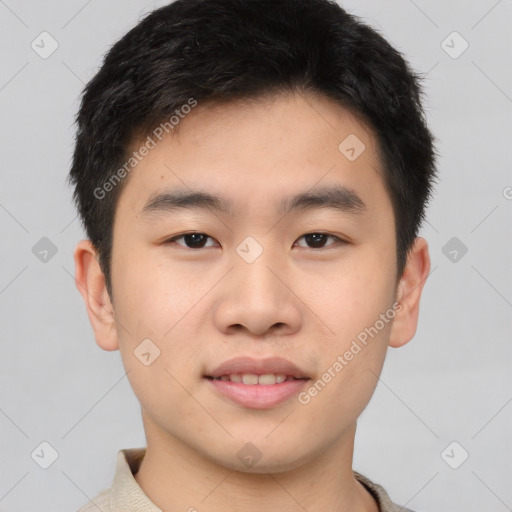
pixel 90 282
pixel 409 293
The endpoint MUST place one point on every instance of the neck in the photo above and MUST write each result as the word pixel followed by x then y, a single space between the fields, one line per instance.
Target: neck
pixel 176 477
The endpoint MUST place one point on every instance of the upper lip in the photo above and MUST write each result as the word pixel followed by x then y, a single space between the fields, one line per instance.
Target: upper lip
pixel 241 365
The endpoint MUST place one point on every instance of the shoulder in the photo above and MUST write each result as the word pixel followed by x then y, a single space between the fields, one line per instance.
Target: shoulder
pixel 100 502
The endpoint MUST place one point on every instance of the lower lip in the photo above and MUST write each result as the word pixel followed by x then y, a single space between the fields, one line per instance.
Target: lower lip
pixel 258 396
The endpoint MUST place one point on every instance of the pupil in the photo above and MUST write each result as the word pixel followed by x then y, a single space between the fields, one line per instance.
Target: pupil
pixel 196 238
pixel 316 238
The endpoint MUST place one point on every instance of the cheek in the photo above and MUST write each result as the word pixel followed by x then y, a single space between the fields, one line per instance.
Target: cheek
pixel 161 303
pixel 154 296
pixel 352 355
pixel 353 296
pixel 156 304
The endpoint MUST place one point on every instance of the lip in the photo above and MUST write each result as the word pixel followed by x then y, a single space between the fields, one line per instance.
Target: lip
pixel 257 396
pixel 258 367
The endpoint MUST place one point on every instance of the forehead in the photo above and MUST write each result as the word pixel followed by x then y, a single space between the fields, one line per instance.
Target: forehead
pixel 260 152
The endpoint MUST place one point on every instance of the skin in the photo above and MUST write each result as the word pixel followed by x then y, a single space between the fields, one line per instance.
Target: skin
pixel 202 306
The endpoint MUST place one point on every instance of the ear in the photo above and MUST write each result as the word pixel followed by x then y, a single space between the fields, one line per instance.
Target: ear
pixel 409 291
pixel 90 282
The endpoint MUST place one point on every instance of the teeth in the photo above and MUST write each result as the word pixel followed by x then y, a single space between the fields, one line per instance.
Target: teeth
pixel 250 378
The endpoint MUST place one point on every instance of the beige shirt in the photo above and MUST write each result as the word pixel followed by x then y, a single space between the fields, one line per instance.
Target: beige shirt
pixel 126 495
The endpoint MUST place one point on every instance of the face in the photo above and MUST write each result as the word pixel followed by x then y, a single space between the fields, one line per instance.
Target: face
pixel 262 276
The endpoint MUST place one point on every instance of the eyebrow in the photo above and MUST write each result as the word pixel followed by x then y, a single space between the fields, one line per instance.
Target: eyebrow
pixel 334 197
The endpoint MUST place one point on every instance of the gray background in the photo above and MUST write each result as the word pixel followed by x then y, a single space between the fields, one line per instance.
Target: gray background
pixel 451 383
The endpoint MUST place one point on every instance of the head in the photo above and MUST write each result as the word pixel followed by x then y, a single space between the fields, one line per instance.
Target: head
pixel 259 103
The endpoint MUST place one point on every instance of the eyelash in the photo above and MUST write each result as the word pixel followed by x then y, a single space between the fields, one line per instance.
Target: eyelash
pixel 329 235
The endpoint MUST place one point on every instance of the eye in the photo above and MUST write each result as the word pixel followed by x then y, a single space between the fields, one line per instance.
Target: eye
pixel 318 239
pixel 194 240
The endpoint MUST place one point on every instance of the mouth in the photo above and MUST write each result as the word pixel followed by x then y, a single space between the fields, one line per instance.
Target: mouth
pixel 252 379
pixel 256 383
pixel 252 391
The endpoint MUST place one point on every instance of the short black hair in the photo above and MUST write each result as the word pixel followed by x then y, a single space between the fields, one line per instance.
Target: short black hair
pixel 225 50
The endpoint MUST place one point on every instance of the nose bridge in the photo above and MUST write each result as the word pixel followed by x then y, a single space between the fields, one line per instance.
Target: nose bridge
pixel 256 264
pixel 255 297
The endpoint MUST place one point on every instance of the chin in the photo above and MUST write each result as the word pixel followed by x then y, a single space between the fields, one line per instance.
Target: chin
pixel 263 460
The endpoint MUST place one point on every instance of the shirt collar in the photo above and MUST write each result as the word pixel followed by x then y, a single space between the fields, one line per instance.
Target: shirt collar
pixel 126 494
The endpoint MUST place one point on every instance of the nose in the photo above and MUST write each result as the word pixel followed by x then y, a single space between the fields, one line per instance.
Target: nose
pixel 256 298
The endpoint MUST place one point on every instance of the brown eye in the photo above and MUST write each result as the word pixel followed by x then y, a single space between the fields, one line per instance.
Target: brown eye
pixel 317 240
pixel 192 240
